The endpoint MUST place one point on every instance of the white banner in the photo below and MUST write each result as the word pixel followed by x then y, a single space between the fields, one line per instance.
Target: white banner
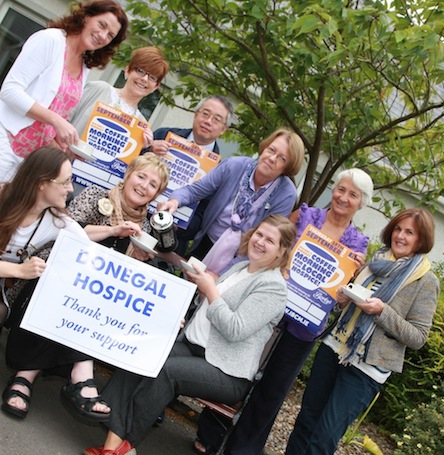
pixel 108 305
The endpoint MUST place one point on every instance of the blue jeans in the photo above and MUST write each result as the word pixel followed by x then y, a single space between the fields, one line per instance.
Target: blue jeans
pixel 335 396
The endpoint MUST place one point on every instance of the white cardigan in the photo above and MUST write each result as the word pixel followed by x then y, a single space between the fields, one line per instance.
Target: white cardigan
pixel 34 77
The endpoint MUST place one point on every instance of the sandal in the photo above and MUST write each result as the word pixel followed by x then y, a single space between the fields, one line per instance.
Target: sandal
pixel 9 393
pixel 207 448
pixel 81 406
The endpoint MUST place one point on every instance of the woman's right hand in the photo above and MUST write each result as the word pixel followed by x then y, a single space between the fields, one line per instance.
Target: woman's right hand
pixel 31 268
pixel 66 134
pixel 341 298
pixel 126 229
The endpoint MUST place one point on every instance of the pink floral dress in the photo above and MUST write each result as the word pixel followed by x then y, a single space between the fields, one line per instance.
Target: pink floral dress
pixel 40 134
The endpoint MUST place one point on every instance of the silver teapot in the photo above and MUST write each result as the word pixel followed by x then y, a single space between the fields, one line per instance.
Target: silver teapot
pixel 163 230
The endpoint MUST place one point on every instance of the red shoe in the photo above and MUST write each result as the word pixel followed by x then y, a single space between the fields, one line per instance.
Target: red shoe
pixel 93 451
pixel 124 449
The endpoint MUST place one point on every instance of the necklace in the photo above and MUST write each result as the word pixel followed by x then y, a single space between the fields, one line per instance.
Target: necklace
pixel 121 104
pixel 24 253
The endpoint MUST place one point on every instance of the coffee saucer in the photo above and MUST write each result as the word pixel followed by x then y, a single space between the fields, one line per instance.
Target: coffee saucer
pixel 80 152
pixel 142 246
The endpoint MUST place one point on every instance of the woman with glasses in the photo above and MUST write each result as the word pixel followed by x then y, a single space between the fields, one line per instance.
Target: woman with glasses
pixel 47 78
pixel 243 192
pixel 143 75
pixel 32 213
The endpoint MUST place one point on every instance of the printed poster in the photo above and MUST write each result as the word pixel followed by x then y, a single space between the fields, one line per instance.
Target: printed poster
pixel 117 138
pixel 188 162
pixel 108 305
pixel 317 268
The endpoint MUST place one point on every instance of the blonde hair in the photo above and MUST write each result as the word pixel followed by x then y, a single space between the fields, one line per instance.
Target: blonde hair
pixel 154 162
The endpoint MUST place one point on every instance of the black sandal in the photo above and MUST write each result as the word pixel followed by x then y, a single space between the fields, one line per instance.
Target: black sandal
pixel 81 406
pixel 207 448
pixel 9 393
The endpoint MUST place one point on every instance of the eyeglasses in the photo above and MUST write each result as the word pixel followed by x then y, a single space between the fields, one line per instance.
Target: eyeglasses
pixel 66 183
pixel 143 73
pixel 270 151
pixel 207 115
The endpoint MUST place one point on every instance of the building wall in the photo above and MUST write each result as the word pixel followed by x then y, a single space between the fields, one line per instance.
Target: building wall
pixel 369 219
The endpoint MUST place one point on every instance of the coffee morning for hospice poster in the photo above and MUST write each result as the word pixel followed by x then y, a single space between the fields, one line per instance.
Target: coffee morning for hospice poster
pixel 317 268
pixel 117 138
pixel 188 162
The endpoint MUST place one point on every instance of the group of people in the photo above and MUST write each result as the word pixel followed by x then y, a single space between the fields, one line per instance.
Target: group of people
pixel 244 231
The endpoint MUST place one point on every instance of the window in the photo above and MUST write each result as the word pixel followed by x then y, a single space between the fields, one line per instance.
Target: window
pixel 15 29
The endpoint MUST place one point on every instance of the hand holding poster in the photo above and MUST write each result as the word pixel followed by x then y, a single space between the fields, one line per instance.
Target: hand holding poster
pixel 108 305
pixel 117 138
pixel 188 162
pixel 318 266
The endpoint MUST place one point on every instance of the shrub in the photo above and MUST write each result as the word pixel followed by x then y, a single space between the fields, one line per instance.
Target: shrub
pixel 424 431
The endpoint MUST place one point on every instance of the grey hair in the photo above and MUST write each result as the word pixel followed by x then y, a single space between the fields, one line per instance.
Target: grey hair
pixel 225 101
pixel 361 180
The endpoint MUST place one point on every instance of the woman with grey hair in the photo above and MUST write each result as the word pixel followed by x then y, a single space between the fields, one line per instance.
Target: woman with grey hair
pixel 352 191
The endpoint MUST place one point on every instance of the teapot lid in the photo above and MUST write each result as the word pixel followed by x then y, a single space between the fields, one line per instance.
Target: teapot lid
pixel 162 219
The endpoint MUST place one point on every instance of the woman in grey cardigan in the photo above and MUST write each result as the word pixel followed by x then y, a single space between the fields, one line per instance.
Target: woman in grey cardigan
pixel 371 336
pixel 219 354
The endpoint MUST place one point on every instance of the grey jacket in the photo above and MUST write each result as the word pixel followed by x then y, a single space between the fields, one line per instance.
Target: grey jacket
pixel 242 320
pixel 405 322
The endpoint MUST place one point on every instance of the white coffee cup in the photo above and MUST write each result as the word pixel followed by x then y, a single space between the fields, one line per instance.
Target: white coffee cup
pixel 357 292
pixel 144 240
pixel 199 264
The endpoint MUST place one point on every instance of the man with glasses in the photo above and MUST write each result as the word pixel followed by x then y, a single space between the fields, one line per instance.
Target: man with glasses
pixel 212 118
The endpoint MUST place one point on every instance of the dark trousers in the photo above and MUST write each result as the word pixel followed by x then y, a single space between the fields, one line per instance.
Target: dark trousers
pixel 137 401
pixel 251 432
pixel 335 396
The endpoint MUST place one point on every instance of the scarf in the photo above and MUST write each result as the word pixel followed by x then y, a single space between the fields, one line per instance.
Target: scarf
pixel 245 206
pixel 354 326
pixel 122 212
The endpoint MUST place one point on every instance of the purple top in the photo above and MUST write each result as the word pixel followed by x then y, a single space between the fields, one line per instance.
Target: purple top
pixel 351 238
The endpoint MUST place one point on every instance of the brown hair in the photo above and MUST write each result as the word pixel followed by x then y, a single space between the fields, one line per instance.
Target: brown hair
pixel 154 162
pixel 74 23
pixel 295 148
pixel 286 228
pixel 19 195
pixel 424 224
pixel 151 60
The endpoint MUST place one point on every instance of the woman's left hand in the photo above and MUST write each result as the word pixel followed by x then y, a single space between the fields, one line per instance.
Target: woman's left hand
pixel 372 305
pixel 148 137
pixel 141 255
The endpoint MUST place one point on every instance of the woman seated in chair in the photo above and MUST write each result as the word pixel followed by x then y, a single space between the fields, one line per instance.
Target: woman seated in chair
pixel 218 353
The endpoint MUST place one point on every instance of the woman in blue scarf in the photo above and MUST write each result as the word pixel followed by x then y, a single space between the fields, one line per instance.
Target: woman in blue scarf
pixel 369 341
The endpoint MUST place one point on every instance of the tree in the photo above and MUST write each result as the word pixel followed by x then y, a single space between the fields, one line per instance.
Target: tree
pixel 360 81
